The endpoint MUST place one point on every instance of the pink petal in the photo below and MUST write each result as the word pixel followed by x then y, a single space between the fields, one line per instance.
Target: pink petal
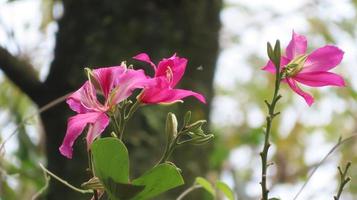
pixel 323 59
pixel 270 67
pixel 145 58
pixel 97 128
pixel 319 79
pixel 176 65
pixel 75 127
pixel 74 102
pixel 106 76
pixel 88 98
pixel 128 82
pixel 158 95
pixel 297 46
pixel 308 98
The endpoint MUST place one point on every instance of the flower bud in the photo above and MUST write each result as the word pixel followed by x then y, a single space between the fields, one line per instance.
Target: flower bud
pixel 171 127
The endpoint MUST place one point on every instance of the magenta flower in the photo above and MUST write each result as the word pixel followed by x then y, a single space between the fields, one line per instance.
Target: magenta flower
pixel 115 84
pixel 308 69
pixel 167 75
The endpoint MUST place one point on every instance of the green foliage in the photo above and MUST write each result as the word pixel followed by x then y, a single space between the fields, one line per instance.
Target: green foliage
pixel 111 160
pixel 206 185
pixel 111 165
pixel 223 187
pixel 220 186
pixel 158 180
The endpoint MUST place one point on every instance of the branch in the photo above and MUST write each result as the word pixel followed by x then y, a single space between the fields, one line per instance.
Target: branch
pixel 21 73
pixel 339 143
pixel 344 179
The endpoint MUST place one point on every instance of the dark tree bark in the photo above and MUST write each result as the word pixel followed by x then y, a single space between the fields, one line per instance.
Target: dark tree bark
pixel 105 32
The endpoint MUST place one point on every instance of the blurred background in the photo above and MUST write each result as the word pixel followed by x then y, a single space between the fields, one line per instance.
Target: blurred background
pixel 45 44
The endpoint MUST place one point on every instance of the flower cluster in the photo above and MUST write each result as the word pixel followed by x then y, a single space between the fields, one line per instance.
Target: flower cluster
pixel 116 84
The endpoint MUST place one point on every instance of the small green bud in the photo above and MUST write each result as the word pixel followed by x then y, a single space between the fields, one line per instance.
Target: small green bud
pixel 93 183
pixel 196 125
pixel 277 53
pixel 171 127
pixel 270 51
pixel 187 118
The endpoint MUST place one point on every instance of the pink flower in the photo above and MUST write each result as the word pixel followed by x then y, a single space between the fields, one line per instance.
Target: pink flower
pixel 115 84
pixel 308 69
pixel 168 74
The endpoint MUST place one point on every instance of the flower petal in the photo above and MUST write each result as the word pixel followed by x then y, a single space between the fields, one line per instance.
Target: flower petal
pixel 174 67
pixel 297 46
pixel 270 66
pixel 323 59
pixel 128 82
pixel 308 98
pixel 75 127
pixel 74 102
pixel 97 128
pixel 319 79
pixel 166 96
pixel 145 58
pixel 89 98
pixel 105 77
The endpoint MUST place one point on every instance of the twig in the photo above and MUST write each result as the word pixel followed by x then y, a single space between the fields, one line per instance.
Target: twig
pixel 275 58
pixel 343 180
pixel 44 188
pixel 187 191
pixel 40 110
pixel 65 182
pixel 339 143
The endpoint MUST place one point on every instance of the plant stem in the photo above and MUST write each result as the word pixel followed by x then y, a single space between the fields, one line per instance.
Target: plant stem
pixel 343 180
pixel 269 121
pixel 187 191
pixel 166 155
pixel 116 125
pixel 65 182
pixel 44 188
pixel 90 167
pixel 126 117
pixel 339 143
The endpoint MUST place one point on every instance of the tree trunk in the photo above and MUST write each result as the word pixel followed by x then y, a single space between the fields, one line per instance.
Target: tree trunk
pixel 105 32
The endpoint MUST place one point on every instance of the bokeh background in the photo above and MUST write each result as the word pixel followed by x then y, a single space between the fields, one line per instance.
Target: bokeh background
pixel 45 44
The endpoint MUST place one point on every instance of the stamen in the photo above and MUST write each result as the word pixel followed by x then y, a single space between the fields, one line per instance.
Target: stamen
pixel 169 74
pixel 295 66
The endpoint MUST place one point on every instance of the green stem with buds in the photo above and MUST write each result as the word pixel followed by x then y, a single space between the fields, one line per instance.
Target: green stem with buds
pixel 126 117
pixel 274 56
pixel 344 179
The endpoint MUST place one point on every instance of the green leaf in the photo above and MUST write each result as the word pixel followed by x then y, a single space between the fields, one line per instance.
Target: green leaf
pixel 158 180
pixel 206 185
pixel 111 160
pixel 111 166
pixel 225 189
pixel 122 191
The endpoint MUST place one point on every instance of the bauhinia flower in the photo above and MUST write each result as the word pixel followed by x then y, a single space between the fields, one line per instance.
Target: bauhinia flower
pixel 115 84
pixel 168 73
pixel 308 69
